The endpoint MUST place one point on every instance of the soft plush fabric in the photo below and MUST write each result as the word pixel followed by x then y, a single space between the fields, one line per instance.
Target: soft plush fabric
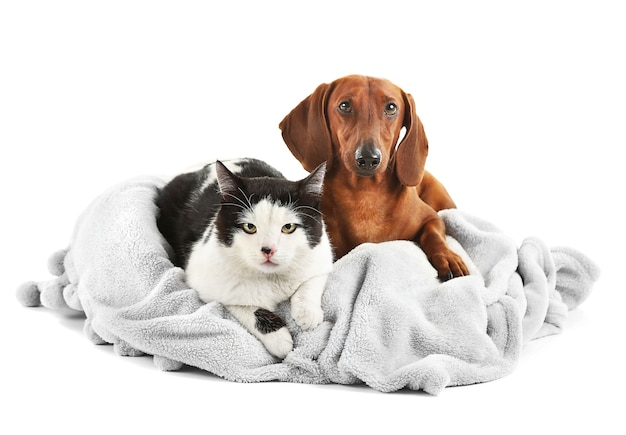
pixel 388 323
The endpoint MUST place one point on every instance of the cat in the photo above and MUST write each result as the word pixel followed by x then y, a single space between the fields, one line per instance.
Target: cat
pixel 251 239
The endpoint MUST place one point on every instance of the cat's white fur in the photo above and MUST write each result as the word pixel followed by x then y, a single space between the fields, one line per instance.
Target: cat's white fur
pixel 243 279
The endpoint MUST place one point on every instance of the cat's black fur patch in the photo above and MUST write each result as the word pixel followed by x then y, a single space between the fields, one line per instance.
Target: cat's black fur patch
pixel 180 224
pixel 267 322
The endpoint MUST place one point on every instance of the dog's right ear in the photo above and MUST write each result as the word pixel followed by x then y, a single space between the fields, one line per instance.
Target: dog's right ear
pixel 305 130
pixel 411 153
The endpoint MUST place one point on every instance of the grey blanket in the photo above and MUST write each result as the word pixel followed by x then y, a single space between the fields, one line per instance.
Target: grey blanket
pixel 388 323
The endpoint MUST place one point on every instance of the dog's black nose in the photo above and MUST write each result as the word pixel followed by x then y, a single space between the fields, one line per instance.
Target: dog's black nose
pixel 368 157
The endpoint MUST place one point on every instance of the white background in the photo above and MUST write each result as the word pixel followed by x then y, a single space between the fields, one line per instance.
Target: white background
pixel 524 108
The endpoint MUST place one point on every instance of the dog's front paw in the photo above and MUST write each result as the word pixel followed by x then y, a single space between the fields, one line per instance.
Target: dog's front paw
pixel 307 316
pixel 449 265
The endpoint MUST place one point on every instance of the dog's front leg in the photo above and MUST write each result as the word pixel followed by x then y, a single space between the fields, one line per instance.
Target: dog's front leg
pixel 432 240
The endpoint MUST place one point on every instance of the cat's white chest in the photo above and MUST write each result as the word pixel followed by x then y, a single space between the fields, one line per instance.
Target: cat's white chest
pixel 257 292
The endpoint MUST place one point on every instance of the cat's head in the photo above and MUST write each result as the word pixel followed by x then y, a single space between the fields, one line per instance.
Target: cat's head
pixel 270 224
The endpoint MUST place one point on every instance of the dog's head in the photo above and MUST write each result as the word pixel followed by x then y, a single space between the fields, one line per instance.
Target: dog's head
pixel 356 121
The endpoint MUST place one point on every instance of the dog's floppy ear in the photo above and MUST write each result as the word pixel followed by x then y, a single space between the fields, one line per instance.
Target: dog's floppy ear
pixel 412 151
pixel 305 129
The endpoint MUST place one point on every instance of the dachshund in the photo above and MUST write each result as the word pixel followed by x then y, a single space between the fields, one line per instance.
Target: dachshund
pixel 376 188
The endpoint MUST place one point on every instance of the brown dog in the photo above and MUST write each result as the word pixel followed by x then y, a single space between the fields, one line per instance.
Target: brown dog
pixel 374 190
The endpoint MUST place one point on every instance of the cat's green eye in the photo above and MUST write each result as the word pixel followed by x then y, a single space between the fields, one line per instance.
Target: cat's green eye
pixel 249 228
pixel 289 228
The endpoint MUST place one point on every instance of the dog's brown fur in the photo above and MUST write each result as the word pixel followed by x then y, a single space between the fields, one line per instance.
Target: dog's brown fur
pixel 373 190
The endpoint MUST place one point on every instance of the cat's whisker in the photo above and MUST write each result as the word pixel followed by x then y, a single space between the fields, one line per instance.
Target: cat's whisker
pixel 311 217
pixel 247 199
pixel 307 207
pixel 299 208
pixel 244 206
pixel 235 205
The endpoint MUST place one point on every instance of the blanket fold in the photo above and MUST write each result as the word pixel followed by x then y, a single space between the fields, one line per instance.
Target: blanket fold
pixel 389 323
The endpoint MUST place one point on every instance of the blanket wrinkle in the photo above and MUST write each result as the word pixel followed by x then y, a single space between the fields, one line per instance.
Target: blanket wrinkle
pixel 575 275
pixel 389 323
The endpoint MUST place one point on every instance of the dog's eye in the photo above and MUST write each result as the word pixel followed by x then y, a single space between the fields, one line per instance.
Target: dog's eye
pixel 249 228
pixel 345 107
pixel 391 109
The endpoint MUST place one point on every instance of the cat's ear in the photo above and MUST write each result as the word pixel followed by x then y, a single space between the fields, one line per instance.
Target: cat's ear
pixel 314 182
pixel 226 180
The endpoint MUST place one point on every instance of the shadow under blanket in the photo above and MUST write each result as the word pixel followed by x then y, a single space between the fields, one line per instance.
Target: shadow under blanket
pixel 388 322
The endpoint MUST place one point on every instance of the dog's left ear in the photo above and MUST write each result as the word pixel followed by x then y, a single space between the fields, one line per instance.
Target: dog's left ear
pixel 410 157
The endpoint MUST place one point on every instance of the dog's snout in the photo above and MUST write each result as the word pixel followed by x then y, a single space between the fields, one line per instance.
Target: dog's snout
pixel 368 157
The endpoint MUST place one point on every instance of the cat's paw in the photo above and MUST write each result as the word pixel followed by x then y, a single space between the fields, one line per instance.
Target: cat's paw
pixel 307 316
pixel 279 343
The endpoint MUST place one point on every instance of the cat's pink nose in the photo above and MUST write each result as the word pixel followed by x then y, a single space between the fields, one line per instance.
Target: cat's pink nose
pixel 268 252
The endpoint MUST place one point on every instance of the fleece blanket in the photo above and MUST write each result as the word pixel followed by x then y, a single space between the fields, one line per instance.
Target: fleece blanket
pixel 389 323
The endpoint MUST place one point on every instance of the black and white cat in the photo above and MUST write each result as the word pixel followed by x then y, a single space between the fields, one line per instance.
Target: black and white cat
pixel 250 239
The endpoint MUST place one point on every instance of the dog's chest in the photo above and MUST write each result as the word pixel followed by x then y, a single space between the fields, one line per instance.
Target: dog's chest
pixel 357 217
